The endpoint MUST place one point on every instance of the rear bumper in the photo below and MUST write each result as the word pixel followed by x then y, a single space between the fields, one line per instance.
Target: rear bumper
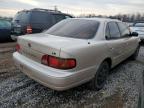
pixel 55 79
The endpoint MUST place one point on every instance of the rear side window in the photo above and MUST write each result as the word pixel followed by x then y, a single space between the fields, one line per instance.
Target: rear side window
pixel 75 28
pixel 5 24
pixel 22 17
pixel 124 30
pixel 40 17
pixel 114 30
pixel 58 17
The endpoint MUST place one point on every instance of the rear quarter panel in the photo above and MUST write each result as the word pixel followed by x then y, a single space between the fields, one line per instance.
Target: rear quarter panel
pixel 88 57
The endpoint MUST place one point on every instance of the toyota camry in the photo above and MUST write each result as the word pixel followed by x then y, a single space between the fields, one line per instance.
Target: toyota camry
pixel 76 51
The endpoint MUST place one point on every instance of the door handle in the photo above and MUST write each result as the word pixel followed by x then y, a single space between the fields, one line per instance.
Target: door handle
pixel 112 48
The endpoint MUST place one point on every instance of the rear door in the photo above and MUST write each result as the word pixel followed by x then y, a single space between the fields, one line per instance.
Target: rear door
pixel 114 42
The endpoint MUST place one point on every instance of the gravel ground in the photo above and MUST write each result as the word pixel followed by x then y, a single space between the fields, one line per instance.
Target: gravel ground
pixel 121 90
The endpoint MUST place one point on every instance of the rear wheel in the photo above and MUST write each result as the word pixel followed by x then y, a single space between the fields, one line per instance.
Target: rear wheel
pixel 100 78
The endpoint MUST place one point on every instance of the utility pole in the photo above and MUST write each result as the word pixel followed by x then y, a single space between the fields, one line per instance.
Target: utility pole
pixel 55 8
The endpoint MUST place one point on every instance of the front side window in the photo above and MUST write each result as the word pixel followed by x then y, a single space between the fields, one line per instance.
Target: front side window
pixel 58 17
pixel 124 30
pixel 5 24
pixel 75 28
pixel 114 30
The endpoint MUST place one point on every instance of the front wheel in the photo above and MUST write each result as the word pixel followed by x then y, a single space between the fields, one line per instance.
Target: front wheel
pixel 134 56
pixel 100 78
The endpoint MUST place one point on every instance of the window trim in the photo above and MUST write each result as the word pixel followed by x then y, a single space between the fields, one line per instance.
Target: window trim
pixel 118 29
pixel 109 31
pixel 121 33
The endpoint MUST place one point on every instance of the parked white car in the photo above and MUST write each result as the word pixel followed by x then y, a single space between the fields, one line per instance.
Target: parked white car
pixel 139 28
pixel 76 51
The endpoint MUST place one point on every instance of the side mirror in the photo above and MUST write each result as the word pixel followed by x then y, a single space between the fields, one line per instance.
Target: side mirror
pixel 135 34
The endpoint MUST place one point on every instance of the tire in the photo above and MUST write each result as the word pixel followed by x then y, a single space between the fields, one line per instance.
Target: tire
pixel 135 55
pixel 142 42
pixel 99 80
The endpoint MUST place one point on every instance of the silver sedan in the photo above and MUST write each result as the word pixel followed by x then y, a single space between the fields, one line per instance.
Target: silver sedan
pixel 76 51
pixel 139 28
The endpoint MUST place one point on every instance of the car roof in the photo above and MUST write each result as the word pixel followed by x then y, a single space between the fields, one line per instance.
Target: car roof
pixel 45 10
pixel 139 22
pixel 100 19
pixel 1 19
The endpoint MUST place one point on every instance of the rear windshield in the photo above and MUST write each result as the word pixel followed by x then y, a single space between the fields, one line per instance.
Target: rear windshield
pixel 22 17
pixel 75 28
pixel 5 24
pixel 139 25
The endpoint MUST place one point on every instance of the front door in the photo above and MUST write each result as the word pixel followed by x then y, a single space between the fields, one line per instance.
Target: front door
pixel 115 43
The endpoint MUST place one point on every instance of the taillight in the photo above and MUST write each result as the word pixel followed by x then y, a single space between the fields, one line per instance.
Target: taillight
pixel 29 29
pixel 58 63
pixel 18 47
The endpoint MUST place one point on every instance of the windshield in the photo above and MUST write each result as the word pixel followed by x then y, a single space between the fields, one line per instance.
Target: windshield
pixel 5 24
pixel 75 28
pixel 139 25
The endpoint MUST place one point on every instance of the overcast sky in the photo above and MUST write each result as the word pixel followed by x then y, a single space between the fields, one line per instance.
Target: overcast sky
pixel 75 7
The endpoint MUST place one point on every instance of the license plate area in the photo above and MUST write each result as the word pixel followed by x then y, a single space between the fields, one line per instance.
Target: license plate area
pixel 31 54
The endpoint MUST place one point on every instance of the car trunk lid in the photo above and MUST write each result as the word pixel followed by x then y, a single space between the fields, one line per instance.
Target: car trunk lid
pixel 36 45
pixel 34 48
